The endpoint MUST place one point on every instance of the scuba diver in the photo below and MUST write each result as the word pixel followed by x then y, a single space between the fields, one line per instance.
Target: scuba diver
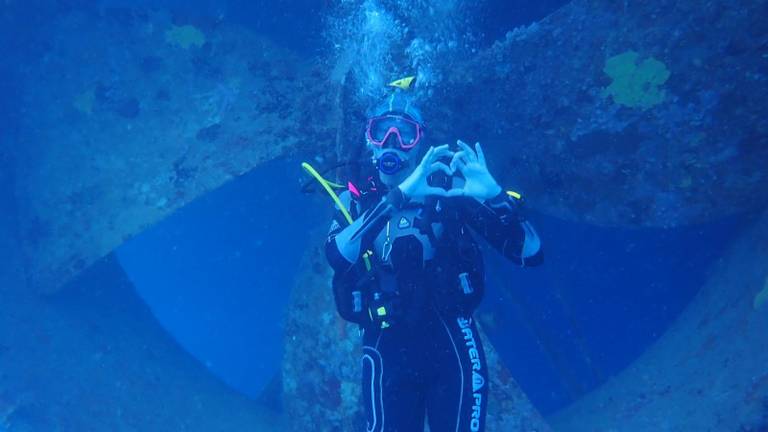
pixel 409 271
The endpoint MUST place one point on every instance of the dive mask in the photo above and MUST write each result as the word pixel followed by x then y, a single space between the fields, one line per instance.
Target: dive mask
pixel 408 132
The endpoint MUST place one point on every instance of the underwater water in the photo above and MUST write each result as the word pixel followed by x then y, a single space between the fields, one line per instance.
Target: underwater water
pixel 162 258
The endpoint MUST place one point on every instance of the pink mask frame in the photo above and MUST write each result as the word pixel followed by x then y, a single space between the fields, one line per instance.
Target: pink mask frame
pixel 394 130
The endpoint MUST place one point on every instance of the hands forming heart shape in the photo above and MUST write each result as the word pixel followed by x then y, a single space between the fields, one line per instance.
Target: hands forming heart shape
pixel 478 181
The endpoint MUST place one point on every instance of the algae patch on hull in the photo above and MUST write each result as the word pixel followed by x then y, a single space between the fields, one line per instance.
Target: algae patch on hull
pixel 636 85
pixel 185 36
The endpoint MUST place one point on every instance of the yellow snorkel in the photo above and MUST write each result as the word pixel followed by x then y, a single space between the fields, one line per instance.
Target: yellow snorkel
pixel 327 185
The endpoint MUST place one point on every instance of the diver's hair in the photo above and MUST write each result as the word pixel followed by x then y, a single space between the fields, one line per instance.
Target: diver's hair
pixel 398 103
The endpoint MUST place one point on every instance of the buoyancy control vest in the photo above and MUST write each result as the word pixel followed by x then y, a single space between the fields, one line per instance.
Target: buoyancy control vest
pixel 424 257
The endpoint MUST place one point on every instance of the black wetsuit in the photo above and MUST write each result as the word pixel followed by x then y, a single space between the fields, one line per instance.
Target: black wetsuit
pixel 421 349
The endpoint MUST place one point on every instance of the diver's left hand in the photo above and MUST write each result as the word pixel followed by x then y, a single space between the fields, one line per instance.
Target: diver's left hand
pixel 479 183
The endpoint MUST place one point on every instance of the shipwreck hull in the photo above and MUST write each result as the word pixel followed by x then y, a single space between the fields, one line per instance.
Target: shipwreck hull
pixel 131 126
pixel 625 113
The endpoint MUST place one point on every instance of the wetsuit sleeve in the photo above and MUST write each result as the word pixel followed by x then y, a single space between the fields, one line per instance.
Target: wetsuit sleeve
pixel 347 293
pixel 500 220
pixel 344 248
pixel 346 242
pixel 338 223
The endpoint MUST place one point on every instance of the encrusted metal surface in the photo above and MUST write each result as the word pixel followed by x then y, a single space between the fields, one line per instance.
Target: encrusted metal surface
pixel 122 128
pixel 710 369
pixel 626 113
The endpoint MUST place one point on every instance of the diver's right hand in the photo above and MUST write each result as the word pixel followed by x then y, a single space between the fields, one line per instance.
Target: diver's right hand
pixel 416 185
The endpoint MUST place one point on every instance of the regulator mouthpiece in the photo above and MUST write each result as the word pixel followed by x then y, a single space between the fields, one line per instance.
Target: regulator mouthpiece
pixel 390 163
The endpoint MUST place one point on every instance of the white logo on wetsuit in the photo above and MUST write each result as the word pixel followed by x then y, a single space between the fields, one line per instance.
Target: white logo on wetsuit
pixel 403 223
pixel 477 379
pixel 334 226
